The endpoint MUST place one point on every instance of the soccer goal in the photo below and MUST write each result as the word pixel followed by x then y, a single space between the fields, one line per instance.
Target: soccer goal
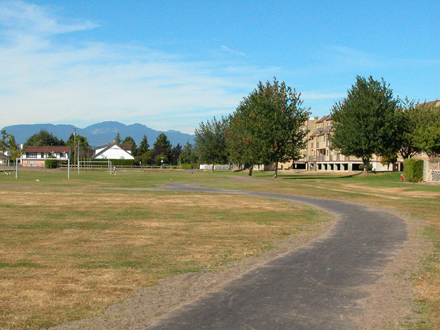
pixel 88 165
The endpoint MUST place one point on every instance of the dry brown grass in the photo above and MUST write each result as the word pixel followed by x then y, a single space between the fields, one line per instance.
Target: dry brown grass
pixel 66 255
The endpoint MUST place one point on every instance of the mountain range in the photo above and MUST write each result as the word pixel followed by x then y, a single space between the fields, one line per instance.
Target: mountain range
pixel 99 134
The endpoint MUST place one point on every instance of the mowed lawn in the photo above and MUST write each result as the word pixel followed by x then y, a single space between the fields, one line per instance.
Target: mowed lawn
pixel 417 201
pixel 69 249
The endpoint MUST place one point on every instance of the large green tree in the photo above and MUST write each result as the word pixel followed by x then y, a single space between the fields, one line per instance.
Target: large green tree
pixel 9 146
pixel 210 142
pixel 162 146
pixel 187 156
pixel 368 121
pixel 84 150
pixel 143 147
pixel 426 131
pixel 267 126
pixel 44 138
pixel 410 119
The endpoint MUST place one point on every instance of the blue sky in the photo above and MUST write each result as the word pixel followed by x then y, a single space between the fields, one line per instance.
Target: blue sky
pixel 173 64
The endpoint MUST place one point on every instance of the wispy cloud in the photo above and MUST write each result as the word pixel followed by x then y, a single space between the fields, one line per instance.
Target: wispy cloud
pixel 88 82
pixel 231 51
pixel 21 16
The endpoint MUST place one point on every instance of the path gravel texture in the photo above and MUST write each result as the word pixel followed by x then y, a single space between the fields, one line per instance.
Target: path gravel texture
pixel 317 286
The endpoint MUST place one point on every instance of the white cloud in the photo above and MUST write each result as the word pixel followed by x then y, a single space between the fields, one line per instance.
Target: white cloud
pixel 90 82
pixel 19 15
pixel 231 51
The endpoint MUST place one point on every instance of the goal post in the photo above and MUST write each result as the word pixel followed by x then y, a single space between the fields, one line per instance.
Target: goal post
pixel 90 164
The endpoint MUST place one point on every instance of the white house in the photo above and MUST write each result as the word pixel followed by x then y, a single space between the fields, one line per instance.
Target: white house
pixel 36 156
pixel 113 151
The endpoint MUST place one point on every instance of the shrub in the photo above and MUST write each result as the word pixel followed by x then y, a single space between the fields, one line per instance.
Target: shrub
pixel 187 166
pixel 51 162
pixel 370 167
pixel 413 170
pixel 119 162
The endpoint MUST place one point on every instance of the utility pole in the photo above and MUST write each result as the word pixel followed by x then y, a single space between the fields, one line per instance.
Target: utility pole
pixel 74 144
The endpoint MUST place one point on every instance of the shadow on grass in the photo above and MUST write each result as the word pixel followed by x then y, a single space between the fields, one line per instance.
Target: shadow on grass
pixel 317 176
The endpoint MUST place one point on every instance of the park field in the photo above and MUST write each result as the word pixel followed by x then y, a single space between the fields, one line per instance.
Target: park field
pixel 69 248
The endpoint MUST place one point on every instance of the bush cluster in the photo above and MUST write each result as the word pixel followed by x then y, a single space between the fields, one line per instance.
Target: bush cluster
pixel 413 170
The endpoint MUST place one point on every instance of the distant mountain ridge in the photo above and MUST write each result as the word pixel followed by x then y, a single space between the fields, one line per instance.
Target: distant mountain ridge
pixel 99 134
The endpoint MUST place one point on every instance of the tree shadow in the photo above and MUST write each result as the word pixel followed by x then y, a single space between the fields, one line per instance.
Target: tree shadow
pixel 318 176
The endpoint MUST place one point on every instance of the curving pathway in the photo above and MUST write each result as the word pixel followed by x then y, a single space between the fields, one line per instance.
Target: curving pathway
pixel 317 286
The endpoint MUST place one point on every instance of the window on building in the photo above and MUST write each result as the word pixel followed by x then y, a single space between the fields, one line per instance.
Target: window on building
pixel 31 155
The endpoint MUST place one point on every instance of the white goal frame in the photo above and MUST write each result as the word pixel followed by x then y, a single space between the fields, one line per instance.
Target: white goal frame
pixel 91 162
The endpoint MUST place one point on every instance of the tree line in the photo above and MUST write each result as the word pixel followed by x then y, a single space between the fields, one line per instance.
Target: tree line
pixel 162 148
pixel 268 127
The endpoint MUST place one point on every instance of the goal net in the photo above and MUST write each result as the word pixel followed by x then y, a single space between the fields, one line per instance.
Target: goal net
pixel 88 165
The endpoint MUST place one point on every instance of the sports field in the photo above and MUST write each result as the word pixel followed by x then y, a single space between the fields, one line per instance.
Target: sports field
pixel 71 247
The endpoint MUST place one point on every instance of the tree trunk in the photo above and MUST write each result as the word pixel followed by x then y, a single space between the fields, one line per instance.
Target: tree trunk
pixel 250 169
pixel 275 174
pixel 212 168
pixel 366 162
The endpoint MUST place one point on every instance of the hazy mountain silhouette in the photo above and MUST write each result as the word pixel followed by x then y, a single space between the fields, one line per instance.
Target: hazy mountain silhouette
pixel 99 134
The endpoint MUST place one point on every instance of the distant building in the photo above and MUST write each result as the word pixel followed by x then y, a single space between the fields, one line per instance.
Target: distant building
pixel 113 151
pixel 36 156
pixel 320 156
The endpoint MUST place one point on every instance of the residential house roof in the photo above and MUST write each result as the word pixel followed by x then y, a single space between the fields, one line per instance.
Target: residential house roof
pixel 124 147
pixel 56 149
pixel 429 104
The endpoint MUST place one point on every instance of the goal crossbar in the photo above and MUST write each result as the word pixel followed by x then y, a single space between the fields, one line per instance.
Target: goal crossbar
pixel 84 163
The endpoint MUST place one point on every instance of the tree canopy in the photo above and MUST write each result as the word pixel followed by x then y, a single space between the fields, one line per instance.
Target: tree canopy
pixel 130 140
pixel 426 130
pixel 267 126
pixel 368 121
pixel 9 145
pixel 44 138
pixel 210 143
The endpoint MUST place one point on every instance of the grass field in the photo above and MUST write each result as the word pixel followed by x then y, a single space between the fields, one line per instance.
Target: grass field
pixel 66 254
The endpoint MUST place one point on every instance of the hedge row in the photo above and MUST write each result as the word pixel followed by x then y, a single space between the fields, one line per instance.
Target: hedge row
pixel 413 170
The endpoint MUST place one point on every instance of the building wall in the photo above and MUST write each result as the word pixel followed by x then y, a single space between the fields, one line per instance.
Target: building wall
pixel 319 155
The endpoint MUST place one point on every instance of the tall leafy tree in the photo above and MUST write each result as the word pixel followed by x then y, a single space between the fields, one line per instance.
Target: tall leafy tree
pixel 143 146
pixel 84 151
pixel 267 126
pixel 410 119
pixel 210 142
pixel 44 138
pixel 9 145
pixel 426 132
pixel 367 121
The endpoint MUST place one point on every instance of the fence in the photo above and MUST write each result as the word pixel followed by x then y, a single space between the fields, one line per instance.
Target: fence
pixel 216 167
pixel 431 172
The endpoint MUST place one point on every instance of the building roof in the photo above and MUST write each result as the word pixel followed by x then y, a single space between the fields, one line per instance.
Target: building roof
pixel 57 149
pixel 327 117
pixel 429 104
pixel 124 147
